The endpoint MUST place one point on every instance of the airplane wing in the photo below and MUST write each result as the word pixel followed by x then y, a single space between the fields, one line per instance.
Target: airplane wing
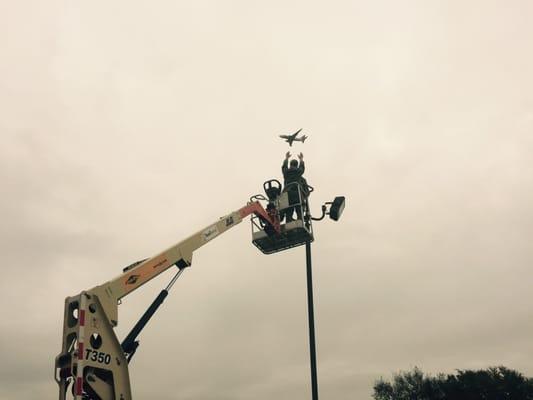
pixel 291 138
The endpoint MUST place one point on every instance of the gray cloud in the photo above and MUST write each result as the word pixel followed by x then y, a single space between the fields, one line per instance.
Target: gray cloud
pixel 127 127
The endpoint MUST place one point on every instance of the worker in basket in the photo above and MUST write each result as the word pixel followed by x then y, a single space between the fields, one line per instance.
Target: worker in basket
pixel 293 178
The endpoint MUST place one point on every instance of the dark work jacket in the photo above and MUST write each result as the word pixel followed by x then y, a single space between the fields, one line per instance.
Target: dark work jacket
pixel 292 175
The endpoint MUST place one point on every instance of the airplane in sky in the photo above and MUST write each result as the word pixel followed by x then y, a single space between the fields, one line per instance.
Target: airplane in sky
pixel 292 138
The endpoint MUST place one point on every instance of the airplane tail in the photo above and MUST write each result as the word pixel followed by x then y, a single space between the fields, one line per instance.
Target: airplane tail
pixel 303 138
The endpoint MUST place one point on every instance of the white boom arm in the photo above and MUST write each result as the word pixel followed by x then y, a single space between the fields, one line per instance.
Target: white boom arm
pixel 92 361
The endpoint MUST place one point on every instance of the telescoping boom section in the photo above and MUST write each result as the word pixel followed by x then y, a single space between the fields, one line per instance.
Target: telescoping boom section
pixel 93 364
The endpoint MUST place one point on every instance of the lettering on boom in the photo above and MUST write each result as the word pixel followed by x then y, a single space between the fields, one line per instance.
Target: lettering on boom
pixel 210 233
pixel 160 263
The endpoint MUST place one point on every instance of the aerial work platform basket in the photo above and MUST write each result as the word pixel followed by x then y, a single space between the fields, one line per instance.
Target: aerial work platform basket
pixel 293 232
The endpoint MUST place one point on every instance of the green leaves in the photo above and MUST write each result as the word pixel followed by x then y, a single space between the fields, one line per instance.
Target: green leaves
pixel 495 383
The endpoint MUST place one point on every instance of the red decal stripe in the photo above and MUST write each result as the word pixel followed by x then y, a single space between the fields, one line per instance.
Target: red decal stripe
pixel 79 387
pixel 258 210
pixel 246 210
pixel 82 317
pixel 80 351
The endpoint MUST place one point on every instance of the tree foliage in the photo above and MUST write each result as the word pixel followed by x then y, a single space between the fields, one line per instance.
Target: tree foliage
pixel 495 383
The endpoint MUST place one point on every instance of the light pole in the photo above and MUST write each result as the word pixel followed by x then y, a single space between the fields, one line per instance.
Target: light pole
pixel 336 207
pixel 311 318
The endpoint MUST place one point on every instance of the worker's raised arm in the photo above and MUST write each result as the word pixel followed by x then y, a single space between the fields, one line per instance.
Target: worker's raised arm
pixel 301 166
pixel 285 166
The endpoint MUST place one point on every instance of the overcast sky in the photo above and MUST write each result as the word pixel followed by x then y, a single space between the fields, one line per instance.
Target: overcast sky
pixel 128 125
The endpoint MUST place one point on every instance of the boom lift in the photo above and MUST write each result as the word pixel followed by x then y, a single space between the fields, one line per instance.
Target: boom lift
pixel 93 363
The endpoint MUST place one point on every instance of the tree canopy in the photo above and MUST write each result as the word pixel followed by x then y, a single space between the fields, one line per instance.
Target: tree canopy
pixel 495 383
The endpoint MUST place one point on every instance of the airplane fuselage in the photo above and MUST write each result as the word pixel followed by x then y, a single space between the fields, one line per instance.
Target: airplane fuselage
pixel 293 138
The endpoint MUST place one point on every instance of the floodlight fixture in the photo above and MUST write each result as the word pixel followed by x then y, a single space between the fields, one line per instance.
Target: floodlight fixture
pixel 332 208
pixel 337 207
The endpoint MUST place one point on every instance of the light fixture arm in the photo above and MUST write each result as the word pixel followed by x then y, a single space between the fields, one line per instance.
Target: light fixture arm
pixel 324 213
pixel 332 208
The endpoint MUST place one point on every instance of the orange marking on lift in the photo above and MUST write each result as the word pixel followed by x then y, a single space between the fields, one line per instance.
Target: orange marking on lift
pixel 258 210
pixel 145 271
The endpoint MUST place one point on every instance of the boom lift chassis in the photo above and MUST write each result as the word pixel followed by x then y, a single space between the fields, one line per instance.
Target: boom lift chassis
pixel 93 363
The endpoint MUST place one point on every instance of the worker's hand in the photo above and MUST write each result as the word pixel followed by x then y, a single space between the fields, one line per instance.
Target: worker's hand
pixel 288 155
pixel 301 156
